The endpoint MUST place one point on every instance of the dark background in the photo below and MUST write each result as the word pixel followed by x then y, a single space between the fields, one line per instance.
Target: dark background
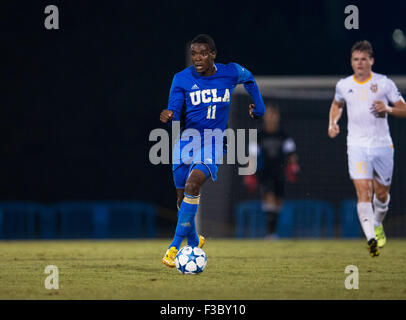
pixel 77 104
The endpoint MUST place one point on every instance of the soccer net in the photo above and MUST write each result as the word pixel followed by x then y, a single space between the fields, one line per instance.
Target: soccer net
pixel 304 104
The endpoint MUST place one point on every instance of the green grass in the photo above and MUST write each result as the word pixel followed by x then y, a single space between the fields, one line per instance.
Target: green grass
pixel 250 269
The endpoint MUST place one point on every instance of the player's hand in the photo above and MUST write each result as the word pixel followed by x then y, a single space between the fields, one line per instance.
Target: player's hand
pixel 292 172
pixel 333 130
pixel 166 115
pixel 380 108
pixel 251 182
pixel 251 108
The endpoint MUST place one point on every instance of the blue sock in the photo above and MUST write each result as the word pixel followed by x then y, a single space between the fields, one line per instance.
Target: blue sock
pixel 193 237
pixel 186 221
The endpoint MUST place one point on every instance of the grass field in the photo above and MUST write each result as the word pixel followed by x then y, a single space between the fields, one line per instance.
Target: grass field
pixel 250 269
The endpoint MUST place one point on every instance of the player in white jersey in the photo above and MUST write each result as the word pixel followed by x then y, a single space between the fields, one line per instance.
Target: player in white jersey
pixel 369 144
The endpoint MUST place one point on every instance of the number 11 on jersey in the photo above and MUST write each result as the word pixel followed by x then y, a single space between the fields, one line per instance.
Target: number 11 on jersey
pixel 211 112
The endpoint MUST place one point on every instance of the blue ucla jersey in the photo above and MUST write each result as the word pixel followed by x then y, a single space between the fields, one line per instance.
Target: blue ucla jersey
pixel 208 99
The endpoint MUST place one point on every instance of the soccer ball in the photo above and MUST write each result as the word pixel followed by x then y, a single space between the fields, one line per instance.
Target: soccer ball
pixel 190 260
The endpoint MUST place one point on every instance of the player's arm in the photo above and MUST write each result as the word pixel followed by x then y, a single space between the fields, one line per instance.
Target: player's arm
pixel 245 77
pixel 394 96
pixel 175 104
pixel 336 111
pixel 166 115
pixel 398 109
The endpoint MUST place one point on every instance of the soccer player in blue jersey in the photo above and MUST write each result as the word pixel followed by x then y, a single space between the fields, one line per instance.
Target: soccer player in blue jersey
pixel 205 88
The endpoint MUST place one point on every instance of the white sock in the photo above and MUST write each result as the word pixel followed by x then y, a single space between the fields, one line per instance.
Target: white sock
pixel 366 218
pixel 380 210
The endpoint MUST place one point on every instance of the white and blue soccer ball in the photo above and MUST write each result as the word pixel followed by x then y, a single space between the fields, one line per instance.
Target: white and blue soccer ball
pixel 190 260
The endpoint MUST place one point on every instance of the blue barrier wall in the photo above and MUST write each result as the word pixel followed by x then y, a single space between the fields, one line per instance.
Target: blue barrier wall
pixel 73 220
pixel 102 220
pixel 300 219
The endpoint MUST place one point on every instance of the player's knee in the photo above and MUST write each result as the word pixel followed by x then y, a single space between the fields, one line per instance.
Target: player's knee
pixel 364 196
pixel 192 187
pixel 382 195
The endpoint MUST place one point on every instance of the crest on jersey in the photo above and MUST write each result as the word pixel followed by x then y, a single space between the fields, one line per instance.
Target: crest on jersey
pixel 374 87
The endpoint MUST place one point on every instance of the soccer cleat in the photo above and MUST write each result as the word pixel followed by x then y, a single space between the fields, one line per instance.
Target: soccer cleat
pixel 373 247
pixel 202 241
pixel 169 258
pixel 380 236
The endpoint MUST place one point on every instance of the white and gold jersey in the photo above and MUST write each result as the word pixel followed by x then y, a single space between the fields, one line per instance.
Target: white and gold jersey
pixel 365 127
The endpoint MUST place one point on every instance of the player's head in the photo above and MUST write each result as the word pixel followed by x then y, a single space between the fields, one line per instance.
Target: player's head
pixel 362 57
pixel 203 52
pixel 271 118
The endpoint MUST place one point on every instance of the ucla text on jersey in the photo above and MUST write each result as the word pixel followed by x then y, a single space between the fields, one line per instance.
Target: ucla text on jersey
pixel 208 98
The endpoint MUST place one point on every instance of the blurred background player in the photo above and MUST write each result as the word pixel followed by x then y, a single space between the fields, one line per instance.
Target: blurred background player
pixel 369 144
pixel 205 88
pixel 277 163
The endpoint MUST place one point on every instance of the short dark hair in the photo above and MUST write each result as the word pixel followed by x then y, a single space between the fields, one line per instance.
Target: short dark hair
pixel 205 38
pixel 364 46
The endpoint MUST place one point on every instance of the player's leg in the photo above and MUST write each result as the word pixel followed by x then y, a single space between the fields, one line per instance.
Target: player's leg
pixel 361 173
pixel 279 196
pixel 179 196
pixel 365 212
pixel 364 189
pixel 191 237
pixel 179 177
pixel 279 202
pixel 383 170
pixel 270 206
pixel 381 203
pixel 268 203
pixel 188 208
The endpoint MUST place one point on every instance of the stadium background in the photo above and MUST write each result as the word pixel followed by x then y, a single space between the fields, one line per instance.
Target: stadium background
pixel 78 105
